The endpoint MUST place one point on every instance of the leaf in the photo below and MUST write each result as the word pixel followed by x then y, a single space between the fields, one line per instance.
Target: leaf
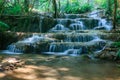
pixel 3 26
pixel 116 44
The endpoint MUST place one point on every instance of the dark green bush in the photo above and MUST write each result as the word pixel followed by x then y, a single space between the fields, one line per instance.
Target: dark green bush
pixel 116 44
pixel 78 8
pixel 3 26
pixel 14 10
pixel 85 8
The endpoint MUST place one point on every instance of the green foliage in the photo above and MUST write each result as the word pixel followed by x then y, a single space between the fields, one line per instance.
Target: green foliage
pixel 118 13
pixel 86 8
pixel 101 3
pixel 116 44
pixel 14 7
pixel 77 8
pixel 118 55
pixel 3 26
pixel 14 10
pixel 68 6
pixel 45 5
pixel 1 5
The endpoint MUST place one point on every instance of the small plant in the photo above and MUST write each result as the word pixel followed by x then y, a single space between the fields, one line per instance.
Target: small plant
pixel 14 9
pixel 116 44
pixel 3 26
pixel 118 55
pixel 85 8
pixel 77 8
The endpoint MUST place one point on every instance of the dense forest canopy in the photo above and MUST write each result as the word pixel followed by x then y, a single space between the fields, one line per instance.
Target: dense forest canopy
pixel 62 6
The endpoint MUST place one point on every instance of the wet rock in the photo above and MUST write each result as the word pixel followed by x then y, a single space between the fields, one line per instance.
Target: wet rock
pixel 11 63
pixel 90 23
pixel 31 45
pixel 73 16
pixel 107 53
pixel 86 57
pixel 7 38
pixel 47 24
pixel 100 28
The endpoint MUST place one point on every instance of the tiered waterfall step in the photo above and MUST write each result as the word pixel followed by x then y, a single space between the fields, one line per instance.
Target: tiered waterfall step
pixel 70 34
pixel 78 36
pixel 59 42
pixel 85 47
pixel 81 24
pixel 76 24
pixel 74 16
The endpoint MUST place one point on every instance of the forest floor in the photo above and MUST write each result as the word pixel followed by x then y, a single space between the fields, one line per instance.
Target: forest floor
pixel 47 67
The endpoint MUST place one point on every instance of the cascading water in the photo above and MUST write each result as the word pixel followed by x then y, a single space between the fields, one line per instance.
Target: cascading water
pixel 78 25
pixel 103 23
pixel 30 44
pixel 59 27
pixel 71 35
pixel 40 23
pixel 20 46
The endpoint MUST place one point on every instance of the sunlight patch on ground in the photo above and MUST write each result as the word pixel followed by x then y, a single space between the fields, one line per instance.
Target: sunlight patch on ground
pixel 63 69
pixel 2 75
pixel 23 73
pixel 31 72
pixel 50 78
pixel 37 68
pixel 71 78
pixel 50 73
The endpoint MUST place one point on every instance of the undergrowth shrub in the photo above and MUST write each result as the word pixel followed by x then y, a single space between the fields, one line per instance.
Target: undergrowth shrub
pixel 116 44
pixel 3 26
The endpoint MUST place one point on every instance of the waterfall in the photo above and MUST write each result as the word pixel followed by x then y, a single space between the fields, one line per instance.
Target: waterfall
pixel 32 39
pixel 73 35
pixel 20 46
pixel 77 26
pixel 40 23
pixel 59 27
pixel 73 52
pixel 52 48
pixel 30 44
pixel 103 23
pixel 78 38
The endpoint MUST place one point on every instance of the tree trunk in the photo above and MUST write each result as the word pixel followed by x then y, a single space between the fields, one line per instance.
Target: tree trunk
pixel 88 2
pixel 55 8
pixel 109 7
pixel 36 4
pixel 26 5
pixel 59 6
pixel 114 15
